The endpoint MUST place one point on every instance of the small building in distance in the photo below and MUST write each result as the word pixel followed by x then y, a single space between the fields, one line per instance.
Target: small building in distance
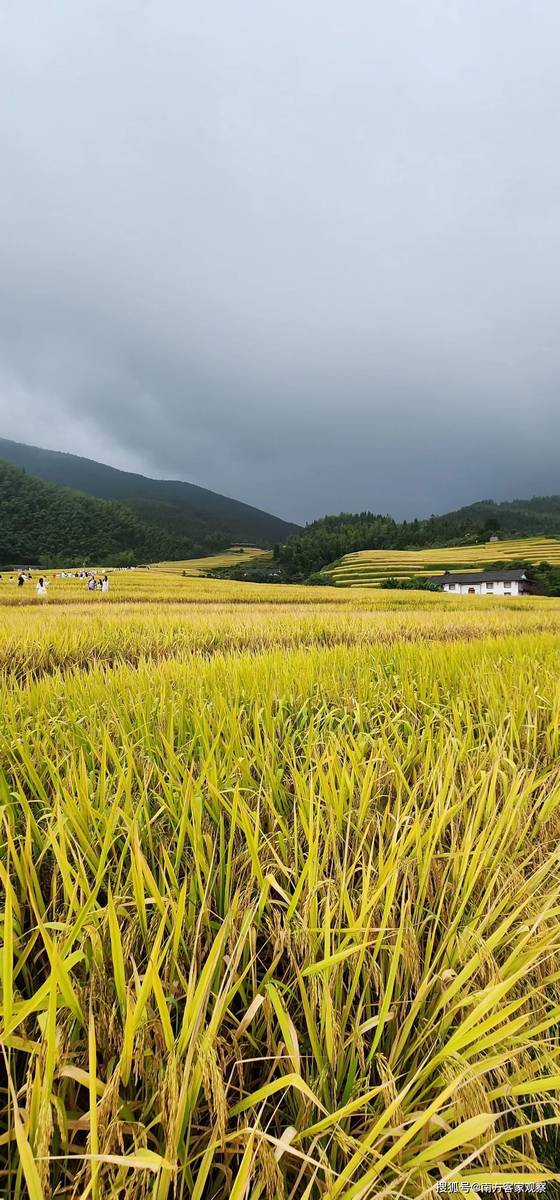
pixel 485 583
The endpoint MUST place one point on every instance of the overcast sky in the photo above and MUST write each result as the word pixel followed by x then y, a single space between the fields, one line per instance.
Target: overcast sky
pixel 304 252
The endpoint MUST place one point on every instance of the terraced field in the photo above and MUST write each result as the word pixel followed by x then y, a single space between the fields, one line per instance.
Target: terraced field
pixel 369 568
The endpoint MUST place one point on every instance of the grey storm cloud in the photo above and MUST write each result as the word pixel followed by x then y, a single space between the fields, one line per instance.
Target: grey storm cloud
pixel 304 254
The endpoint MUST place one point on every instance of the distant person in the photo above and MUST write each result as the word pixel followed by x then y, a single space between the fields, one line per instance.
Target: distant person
pixel 41 588
pixel 105 584
pixel 21 580
pixel 91 584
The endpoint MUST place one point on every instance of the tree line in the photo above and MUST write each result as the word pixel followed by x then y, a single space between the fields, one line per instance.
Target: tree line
pixel 327 540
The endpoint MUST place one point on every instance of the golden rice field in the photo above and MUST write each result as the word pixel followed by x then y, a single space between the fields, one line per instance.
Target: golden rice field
pixel 368 568
pixel 280 872
pixel 160 584
pixel 235 556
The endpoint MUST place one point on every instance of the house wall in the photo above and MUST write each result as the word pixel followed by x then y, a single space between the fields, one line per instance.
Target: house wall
pixel 482 589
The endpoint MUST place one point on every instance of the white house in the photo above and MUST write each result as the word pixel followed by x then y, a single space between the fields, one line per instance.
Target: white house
pixel 485 583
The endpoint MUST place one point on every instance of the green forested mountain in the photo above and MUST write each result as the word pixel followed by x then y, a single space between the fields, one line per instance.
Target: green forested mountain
pixel 43 524
pixel 209 521
pixel 328 539
pixel 526 518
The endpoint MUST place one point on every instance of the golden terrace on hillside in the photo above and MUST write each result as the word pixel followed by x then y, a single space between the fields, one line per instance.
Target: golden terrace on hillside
pixel 369 568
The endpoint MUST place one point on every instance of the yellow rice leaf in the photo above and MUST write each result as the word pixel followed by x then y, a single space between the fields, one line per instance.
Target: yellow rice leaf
pixel 81 1076
pixel 289 1032
pixel 28 1165
pixel 466 1132
pixel 333 959
pixel 140 1160
pixel 243 1177
pixel 203 1170
pixel 7 957
pixel 92 1081
pixel 284 1142
pixel 546 1083
pixel 251 1012
pixel 116 953
pixel 277 1085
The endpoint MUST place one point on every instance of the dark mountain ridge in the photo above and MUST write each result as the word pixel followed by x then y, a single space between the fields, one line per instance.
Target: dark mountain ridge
pixel 208 520
pixel 42 523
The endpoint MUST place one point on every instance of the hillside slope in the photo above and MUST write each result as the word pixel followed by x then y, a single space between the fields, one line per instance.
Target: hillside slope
pixel 41 523
pixel 324 541
pixel 209 520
